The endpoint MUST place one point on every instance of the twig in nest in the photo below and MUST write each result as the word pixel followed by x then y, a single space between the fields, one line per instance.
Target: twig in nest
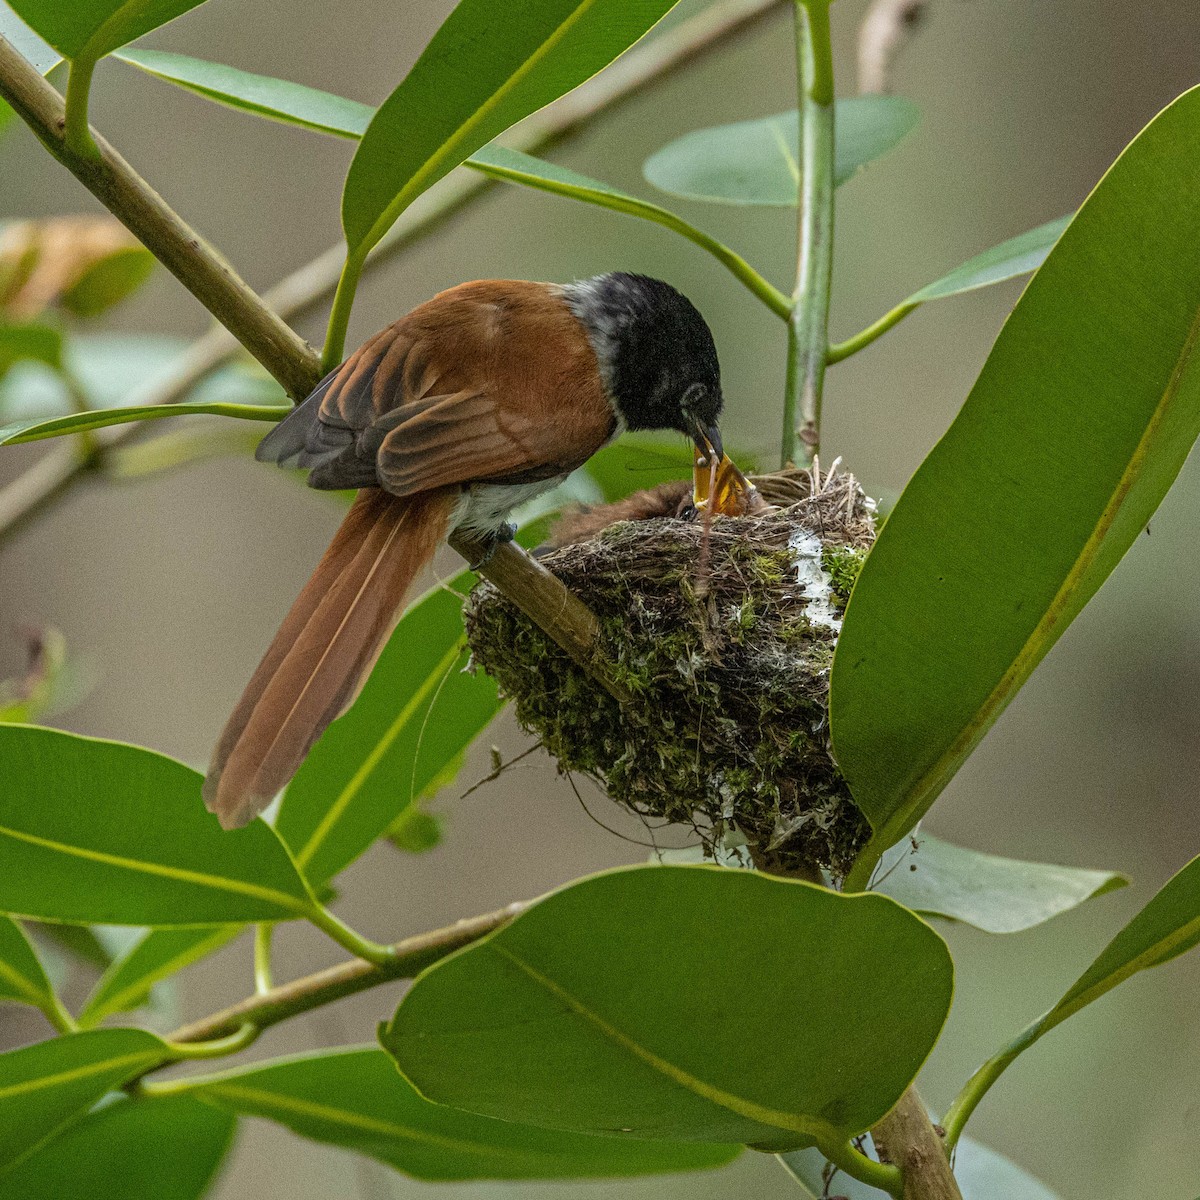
pixel 499 767
pixel 887 26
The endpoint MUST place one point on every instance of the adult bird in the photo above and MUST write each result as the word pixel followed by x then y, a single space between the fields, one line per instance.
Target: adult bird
pixel 476 401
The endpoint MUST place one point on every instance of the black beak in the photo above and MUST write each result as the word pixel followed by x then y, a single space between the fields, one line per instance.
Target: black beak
pixel 706 437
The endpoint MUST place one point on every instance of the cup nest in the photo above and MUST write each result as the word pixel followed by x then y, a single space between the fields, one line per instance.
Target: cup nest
pixel 723 631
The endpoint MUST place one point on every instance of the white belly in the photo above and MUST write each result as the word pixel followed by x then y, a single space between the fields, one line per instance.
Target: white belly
pixel 485 507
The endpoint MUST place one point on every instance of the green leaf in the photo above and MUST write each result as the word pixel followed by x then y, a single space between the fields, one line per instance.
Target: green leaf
pixel 418 712
pixel 44 1087
pixel 36 429
pixel 498 162
pixel 31 342
pixel 1019 255
pixel 147 852
pixel 990 552
pixel 982 1174
pixel 108 281
pixel 761 1024
pixel 79 941
pixel 997 895
pixel 261 95
pixel 1167 927
pixel 158 955
pixel 160 1148
pixel 309 108
pixel 90 29
pixel 487 67
pixel 22 977
pixel 356 1099
pixel 754 162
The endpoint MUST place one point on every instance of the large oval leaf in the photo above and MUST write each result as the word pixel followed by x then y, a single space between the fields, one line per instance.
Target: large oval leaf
pixel 22 976
pixel 488 66
pixel 92 28
pixel 754 162
pixel 357 1099
pixel 166 1148
pixel 157 955
pixel 44 1087
pixel 94 831
pixel 416 716
pixel 1083 415
pixel 691 1003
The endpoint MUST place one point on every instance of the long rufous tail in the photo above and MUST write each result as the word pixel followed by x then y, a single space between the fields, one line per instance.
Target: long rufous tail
pixel 324 648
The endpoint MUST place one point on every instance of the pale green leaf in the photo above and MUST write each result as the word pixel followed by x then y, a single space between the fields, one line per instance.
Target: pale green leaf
pixel 755 162
pixel 37 429
pixel 22 977
pixel 997 895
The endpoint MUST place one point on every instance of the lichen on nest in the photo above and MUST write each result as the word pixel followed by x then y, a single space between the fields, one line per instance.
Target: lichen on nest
pixel 724 634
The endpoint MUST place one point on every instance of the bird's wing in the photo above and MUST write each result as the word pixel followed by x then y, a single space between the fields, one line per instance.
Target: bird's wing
pixel 489 381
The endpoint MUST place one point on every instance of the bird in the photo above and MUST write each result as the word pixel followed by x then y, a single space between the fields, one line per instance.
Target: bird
pixel 478 400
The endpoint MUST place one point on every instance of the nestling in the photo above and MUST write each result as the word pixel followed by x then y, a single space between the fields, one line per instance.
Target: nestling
pixel 475 402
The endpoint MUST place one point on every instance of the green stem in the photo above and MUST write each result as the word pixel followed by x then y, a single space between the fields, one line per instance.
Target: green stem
pixel 858 1166
pixel 217 1047
pixel 977 1086
pixel 359 946
pixel 808 326
pixel 263 980
pixel 877 329
pixel 76 131
pixel 58 1016
pixel 339 314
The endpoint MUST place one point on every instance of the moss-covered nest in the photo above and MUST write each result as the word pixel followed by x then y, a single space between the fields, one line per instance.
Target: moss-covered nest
pixel 724 632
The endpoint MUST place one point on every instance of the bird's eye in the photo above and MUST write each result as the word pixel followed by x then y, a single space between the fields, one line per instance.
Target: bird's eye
pixel 691 397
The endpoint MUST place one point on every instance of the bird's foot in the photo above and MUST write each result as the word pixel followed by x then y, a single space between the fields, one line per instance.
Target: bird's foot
pixel 505 533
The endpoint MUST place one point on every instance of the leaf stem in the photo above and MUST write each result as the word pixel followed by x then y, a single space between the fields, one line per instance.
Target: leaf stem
pixel 339 314
pixel 57 1014
pixel 841 350
pixel 76 130
pixel 215 1047
pixel 846 1157
pixel 974 1090
pixel 263 981
pixel 376 953
pixel 405 960
pixel 808 326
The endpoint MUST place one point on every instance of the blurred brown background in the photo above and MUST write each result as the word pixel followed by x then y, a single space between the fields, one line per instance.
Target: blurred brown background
pixel 173 587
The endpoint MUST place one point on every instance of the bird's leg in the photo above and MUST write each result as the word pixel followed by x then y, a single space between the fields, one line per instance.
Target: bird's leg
pixel 504 533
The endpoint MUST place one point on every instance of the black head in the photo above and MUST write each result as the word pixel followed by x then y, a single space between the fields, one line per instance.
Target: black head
pixel 656 354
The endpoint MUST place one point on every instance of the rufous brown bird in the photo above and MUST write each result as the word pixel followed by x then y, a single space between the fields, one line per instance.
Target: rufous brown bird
pixel 478 400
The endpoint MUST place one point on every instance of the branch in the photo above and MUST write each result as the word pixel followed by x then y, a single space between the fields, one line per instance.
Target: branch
pixel 907 1138
pixel 408 958
pixel 199 267
pixel 885 29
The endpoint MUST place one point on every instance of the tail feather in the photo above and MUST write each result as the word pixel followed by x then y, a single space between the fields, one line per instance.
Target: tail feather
pixel 324 648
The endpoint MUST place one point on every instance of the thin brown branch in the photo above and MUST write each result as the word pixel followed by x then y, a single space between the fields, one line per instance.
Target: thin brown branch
pixel 907 1139
pixel 410 957
pixel 888 25
pixel 196 264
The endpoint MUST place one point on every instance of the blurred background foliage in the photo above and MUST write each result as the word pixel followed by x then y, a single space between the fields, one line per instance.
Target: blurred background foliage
pixel 170 585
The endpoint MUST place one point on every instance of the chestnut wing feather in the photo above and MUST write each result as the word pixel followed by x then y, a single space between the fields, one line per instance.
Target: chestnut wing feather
pixel 492 381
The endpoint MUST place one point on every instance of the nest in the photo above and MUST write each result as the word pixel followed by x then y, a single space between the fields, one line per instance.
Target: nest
pixel 723 631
